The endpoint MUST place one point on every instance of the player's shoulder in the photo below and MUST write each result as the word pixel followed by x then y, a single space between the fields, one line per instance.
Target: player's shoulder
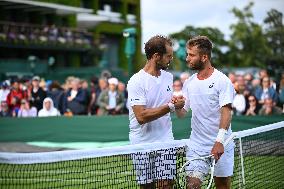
pixel 167 74
pixel 190 79
pixel 221 75
pixel 136 79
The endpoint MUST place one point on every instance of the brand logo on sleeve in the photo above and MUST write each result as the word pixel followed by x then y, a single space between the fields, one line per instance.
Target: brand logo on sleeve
pixel 212 85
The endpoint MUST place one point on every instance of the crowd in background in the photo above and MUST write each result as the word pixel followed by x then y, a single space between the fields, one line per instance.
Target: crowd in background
pixel 255 95
pixel 52 35
pixel 106 95
pixel 33 97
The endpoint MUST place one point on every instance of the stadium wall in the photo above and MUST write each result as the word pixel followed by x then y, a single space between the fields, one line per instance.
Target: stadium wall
pixel 99 129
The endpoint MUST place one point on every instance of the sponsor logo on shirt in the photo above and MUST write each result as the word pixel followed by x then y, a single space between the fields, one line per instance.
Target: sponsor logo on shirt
pixel 132 99
pixel 168 89
pixel 212 85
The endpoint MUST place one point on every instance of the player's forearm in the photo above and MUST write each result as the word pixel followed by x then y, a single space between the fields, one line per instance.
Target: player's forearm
pixel 226 117
pixel 151 114
pixel 224 123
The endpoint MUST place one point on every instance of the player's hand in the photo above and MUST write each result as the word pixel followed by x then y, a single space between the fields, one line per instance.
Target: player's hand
pixel 217 150
pixel 178 101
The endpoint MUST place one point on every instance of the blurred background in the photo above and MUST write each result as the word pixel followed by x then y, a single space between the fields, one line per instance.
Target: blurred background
pixel 63 57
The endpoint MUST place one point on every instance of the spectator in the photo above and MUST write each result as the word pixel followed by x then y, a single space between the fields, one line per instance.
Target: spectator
pixel 4 91
pixel 232 77
pixel 255 83
pixel 239 102
pixel 177 88
pixel 48 109
pixel 75 99
pixel 281 90
pixel 111 101
pixel 56 93
pixel 269 108
pixel 253 106
pixel 26 110
pixel 262 73
pixel 103 85
pixel 248 77
pixel 94 91
pixel 5 112
pixel 37 93
pixel 266 91
pixel 122 89
pixel 184 76
pixel 15 96
pixel 85 87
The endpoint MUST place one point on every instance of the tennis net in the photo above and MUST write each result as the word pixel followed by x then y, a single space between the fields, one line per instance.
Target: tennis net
pixel 259 163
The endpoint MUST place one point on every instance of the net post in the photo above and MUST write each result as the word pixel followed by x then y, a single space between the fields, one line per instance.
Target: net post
pixel 242 161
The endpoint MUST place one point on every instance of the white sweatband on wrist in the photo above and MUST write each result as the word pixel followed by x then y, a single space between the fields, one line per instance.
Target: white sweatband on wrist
pixel 172 107
pixel 221 136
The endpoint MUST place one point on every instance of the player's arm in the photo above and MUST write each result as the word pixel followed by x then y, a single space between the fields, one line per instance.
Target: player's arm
pixel 225 120
pixel 145 115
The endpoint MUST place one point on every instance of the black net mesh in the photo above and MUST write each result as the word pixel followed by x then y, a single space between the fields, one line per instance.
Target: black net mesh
pixel 261 165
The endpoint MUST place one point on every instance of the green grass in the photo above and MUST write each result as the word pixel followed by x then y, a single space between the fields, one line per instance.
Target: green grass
pixel 117 172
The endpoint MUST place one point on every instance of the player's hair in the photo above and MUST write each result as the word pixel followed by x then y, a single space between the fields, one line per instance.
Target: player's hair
pixel 203 43
pixel 156 44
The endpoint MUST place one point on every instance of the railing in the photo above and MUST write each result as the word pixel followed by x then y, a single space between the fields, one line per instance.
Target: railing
pixel 23 34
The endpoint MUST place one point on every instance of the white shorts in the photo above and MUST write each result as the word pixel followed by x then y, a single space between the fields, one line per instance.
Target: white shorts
pixel 153 166
pixel 223 168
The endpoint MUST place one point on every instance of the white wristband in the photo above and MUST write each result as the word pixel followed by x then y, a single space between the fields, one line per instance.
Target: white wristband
pixel 172 107
pixel 221 136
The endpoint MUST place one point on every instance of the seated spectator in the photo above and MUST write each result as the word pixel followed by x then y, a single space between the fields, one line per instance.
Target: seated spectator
pixel 15 96
pixel 253 106
pixel 184 76
pixel 75 99
pixel 56 93
pixel 266 91
pixel 122 89
pixel 177 87
pixel 5 112
pixel 239 102
pixel 37 93
pixel 281 90
pixel 26 110
pixel 111 101
pixel 4 90
pixel 48 109
pixel 269 108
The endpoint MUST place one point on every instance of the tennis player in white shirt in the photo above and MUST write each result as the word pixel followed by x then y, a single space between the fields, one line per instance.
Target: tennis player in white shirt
pixel 150 93
pixel 209 94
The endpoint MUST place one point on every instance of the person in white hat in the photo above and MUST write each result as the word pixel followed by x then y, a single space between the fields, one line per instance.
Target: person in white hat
pixel 111 101
pixel 48 109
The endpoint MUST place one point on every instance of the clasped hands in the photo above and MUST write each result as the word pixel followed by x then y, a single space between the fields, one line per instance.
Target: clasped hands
pixel 178 102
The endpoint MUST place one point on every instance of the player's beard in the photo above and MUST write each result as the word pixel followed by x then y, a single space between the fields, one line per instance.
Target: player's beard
pixel 163 66
pixel 197 66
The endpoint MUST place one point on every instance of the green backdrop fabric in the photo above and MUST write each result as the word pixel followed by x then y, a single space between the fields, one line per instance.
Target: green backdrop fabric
pixel 99 129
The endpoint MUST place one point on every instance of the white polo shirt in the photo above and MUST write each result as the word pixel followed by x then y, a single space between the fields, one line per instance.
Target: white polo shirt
pixel 151 91
pixel 205 98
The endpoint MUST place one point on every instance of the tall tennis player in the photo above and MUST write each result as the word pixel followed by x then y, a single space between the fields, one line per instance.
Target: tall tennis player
pixel 209 94
pixel 150 93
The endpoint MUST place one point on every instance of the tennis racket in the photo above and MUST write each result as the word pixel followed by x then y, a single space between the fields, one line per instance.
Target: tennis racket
pixel 204 163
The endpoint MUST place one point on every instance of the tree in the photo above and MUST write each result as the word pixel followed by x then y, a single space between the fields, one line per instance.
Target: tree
pixel 214 34
pixel 275 35
pixel 248 45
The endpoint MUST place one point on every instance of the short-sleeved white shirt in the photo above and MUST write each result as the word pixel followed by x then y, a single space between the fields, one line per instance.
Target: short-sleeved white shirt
pixel 151 91
pixel 205 98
